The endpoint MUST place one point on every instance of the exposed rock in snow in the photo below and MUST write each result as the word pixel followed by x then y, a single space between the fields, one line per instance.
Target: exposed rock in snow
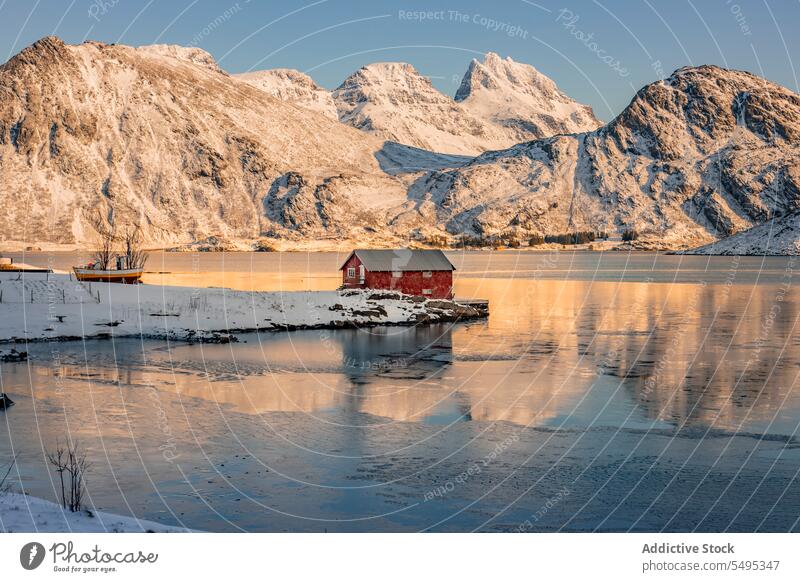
pixel 701 155
pixel 211 244
pixel 23 513
pixel 521 99
pixel 293 87
pixel 779 236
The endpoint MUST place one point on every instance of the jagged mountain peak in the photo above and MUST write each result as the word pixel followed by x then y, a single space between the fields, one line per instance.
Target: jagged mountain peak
pixel 521 99
pixel 47 50
pixel 395 102
pixel 387 78
pixel 493 71
pixel 496 73
pixel 515 103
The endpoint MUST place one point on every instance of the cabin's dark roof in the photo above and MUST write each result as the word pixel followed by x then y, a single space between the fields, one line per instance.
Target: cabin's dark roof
pixel 402 260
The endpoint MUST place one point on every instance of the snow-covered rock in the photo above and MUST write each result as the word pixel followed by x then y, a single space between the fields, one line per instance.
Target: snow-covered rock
pixel 189 54
pixel 397 103
pixel 293 87
pixel 778 236
pixel 522 100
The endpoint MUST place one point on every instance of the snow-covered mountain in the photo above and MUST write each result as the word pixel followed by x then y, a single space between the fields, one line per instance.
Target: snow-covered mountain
pixel 394 102
pixel 519 98
pixel 499 103
pixel 293 86
pixel 701 155
pixel 162 135
pixel 151 133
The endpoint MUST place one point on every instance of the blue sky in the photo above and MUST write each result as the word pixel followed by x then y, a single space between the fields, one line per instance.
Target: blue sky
pixel 599 52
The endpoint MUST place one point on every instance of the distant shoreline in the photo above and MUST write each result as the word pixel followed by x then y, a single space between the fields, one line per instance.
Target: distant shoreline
pixel 614 246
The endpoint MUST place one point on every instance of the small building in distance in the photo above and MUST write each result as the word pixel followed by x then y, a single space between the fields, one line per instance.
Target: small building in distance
pixel 427 273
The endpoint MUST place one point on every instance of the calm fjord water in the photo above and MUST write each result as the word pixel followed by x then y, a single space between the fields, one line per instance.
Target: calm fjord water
pixel 606 392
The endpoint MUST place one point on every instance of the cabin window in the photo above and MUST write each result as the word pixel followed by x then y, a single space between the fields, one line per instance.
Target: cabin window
pixel 351 272
pixel 427 291
pixel 427 274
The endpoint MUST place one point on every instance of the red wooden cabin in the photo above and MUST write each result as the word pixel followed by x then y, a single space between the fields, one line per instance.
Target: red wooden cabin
pixel 414 272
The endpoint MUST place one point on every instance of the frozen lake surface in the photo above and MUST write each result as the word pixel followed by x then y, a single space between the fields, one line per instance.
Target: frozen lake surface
pixel 606 392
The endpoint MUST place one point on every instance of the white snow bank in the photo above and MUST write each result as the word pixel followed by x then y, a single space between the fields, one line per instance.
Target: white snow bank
pixel 23 513
pixel 38 306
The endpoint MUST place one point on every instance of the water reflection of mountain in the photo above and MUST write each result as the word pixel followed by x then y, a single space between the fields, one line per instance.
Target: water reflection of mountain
pixel 438 374
pixel 697 354
pixel 552 350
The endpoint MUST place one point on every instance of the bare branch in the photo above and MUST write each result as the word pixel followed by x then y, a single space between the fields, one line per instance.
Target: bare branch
pixel 107 236
pixel 70 464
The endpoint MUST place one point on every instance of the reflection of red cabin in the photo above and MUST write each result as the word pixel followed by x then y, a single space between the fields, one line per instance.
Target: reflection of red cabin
pixel 414 272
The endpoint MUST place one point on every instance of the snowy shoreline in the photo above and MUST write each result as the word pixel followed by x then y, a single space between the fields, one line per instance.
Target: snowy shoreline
pixel 38 307
pixel 20 513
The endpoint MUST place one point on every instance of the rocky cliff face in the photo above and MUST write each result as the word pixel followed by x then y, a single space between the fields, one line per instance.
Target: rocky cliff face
pixel 701 155
pixel 160 135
